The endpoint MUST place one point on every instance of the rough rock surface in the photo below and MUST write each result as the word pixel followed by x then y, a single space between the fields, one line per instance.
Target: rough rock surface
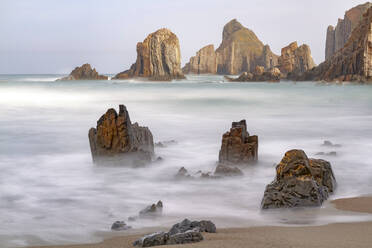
pixel 84 72
pixel 299 182
pixel 152 210
pixel 158 58
pixel 120 226
pixel 295 59
pixel 205 62
pixel 238 147
pixel 181 233
pixel 259 75
pixel 351 63
pixel 117 141
pixel 338 36
pixel 242 51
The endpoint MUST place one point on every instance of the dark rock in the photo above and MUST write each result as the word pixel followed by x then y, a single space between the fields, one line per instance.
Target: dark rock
pixel 330 144
pixel 226 170
pixel 238 147
pixel 154 239
pixel 187 225
pixel 185 238
pixel 152 210
pixel 120 226
pixel 117 141
pixel 163 144
pixel 299 182
pixel 259 75
pixel 183 173
pixel 84 72
pixel 327 153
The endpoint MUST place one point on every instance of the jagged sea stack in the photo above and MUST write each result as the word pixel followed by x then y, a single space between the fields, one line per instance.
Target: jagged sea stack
pixel 204 62
pixel 84 72
pixel 238 147
pixel 117 141
pixel 299 182
pixel 338 36
pixel 158 58
pixel 353 62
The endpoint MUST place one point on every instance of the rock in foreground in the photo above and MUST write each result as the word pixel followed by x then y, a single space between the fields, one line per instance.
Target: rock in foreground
pixel 158 58
pixel 181 233
pixel 299 182
pixel 238 147
pixel 117 141
pixel 84 72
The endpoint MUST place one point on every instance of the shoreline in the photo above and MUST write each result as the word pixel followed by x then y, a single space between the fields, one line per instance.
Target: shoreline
pixel 329 235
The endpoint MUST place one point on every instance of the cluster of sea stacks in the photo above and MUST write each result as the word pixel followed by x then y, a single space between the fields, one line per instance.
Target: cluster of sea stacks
pixel 348 56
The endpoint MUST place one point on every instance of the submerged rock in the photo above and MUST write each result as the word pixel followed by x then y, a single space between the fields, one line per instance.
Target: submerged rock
pixel 158 58
pixel 84 72
pixel 120 226
pixel 238 147
pixel 183 174
pixel 299 182
pixel 181 233
pixel 117 141
pixel 152 210
pixel 226 170
pixel 330 144
pixel 259 75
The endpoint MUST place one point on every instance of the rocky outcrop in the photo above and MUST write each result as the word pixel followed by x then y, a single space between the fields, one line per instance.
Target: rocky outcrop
pixel 238 147
pixel 84 72
pixel 227 171
pixel 181 233
pixel 158 58
pixel 351 63
pixel 299 182
pixel 205 62
pixel 242 51
pixel 117 141
pixel 338 36
pixel 152 210
pixel 259 75
pixel 120 226
pixel 296 60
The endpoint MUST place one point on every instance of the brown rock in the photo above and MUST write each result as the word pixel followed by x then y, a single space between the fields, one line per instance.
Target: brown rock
pixel 338 36
pixel 116 140
pixel 238 147
pixel 203 63
pixel 273 75
pixel 299 182
pixel 295 59
pixel 226 170
pixel 84 72
pixel 158 58
pixel 353 62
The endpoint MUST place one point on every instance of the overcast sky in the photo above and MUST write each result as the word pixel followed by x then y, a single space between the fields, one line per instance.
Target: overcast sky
pixel 54 36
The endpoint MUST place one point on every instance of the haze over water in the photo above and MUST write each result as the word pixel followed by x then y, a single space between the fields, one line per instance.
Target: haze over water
pixel 51 192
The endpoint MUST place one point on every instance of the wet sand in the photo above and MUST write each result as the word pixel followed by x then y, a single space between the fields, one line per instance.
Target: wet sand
pixel 340 235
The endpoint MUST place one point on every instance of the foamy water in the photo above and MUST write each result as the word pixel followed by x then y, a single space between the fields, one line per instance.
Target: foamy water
pixel 51 193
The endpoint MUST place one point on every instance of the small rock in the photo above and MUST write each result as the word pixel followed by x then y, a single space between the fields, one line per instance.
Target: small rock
pixel 185 238
pixel 329 143
pixel 187 225
pixel 152 210
pixel 154 239
pixel 225 170
pixel 183 173
pixel 120 226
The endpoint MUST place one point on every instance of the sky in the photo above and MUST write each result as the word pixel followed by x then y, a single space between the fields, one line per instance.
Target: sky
pixel 55 36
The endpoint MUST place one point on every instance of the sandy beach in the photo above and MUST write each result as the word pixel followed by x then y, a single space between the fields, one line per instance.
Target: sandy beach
pixel 332 235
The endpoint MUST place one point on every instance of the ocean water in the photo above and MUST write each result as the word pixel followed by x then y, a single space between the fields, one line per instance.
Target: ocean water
pixel 52 193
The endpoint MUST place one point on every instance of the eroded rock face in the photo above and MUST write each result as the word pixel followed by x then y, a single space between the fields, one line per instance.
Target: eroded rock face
pixel 84 72
pixel 338 36
pixel 205 62
pixel 158 58
pixel 242 51
pixel 351 63
pixel 181 233
pixel 299 182
pixel 238 147
pixel 295 59
pixel 117 141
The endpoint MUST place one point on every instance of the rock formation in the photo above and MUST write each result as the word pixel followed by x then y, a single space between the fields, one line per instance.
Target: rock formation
pixel 116 140
pixel 294 59
pixel 240 51
pixel 259 75
pixel 299 182
pixel 84 72
pixel 205 62
pixel 158 58
pixel 227 171
pixel 120 226
pixel 152 210
pixel 351 63
pixel 238 147
pixel 338 36
pixel 181 233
